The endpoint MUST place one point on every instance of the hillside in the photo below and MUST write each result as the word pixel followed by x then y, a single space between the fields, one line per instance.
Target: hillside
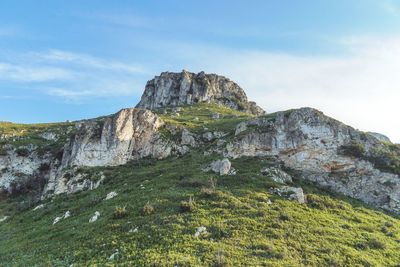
pixel 210 181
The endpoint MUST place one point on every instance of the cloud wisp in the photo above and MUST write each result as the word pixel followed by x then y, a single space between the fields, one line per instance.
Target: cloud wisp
pixel 359 87
pixel 71 76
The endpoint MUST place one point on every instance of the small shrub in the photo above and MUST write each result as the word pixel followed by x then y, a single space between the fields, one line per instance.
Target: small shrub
pixel 148 209
pixel 220 260
pixel 22 152
pixel 388 224
pixel 273 253
pixel 44 167
pixel 192 183
pixel 372 244
pixel 115 226
pixel 187 206
pixel 207 192
pixel 375 244
pixel 355 149
pixel 284 217
pixel 212 183
pixel 120 212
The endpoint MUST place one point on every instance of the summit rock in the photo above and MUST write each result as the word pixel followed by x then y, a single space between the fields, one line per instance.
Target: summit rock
pixel 186 88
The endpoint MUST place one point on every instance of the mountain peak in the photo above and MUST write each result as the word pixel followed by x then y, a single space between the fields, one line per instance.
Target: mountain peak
pixel 171 89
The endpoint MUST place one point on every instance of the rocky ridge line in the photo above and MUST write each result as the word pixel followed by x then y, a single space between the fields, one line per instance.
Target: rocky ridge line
pixel 185 88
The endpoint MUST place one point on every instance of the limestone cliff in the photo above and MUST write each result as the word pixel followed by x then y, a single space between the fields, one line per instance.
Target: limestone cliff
pixel 317 148
pixel 311 143
pixel 129 134
pixel 186 88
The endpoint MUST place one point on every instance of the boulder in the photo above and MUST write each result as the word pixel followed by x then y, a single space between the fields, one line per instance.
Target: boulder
pixel 222 167
pixel 94 217
pixel 187 138
pixel 200 230
pixel 208 136
pixel 292 193
pixel 277 175
pixel 215 116
pixel 111 195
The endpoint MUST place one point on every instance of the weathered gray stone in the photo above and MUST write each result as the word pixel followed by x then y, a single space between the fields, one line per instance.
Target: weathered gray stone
pixel 187 138
pixel 95 217
pixel 129 134
pixel 208 136
pixel 215 116
pixel 292 193
pixel 186 88
pixel 241 127
pixel 277 175
pixel 222 167
pixel 111 195
pixel 309 142
pixel 380 137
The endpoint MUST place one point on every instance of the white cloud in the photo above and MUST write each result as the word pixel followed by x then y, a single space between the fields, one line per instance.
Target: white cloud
pixel 360 87
pixel 71 76
pixel 99 87
pixel 89 61
pixel 29 73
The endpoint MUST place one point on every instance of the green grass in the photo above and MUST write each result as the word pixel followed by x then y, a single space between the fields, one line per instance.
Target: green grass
pixel 385 157
pixel 22 135
pixel 242 228
pixel 161 203
pixel 187 117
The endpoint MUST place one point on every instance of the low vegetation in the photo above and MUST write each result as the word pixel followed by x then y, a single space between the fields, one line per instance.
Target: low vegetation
pixel 385 157
pixel 153 219
pixel 45 137
pixel 161 206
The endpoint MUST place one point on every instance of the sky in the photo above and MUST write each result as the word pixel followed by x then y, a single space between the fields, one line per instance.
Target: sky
pixel 70 60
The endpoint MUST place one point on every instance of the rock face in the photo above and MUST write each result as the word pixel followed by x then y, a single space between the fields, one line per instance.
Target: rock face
pixel 17 170
pixel 309 142
pixel 186 88
pixel 380 137
pixel 304 141
pixel 128 135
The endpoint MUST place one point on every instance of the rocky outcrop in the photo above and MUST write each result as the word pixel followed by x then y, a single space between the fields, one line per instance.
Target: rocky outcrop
pixel 380 137
pixel 186 88
pixel 291 193
pixel 22 168
pixel 222 167
pixel 277 175
pixel 315 147
pixel 309 142
pixel 128 135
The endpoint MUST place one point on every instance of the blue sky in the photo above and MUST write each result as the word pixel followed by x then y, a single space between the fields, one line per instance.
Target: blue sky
pixel 64 60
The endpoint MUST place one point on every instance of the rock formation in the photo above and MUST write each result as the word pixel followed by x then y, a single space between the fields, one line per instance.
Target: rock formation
pixel 130 134
pixel 186 88
pixel 309 142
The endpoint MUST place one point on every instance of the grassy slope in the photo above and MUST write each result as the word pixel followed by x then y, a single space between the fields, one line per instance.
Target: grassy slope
pixel 21 135
pixel 243 229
